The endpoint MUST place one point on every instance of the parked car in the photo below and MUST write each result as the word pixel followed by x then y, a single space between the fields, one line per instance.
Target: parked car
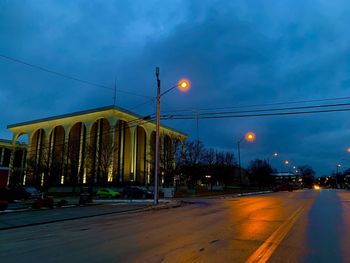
pixel 26 192
pixel 136 192
pixel 107 193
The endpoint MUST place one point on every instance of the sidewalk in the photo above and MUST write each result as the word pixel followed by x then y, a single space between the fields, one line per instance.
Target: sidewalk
pixel 30 217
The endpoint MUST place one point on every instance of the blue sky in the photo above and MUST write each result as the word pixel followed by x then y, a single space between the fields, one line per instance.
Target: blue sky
pixel 237 53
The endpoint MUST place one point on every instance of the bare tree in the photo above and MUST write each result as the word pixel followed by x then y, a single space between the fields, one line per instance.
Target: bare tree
pixel 99 159
pixel 169 149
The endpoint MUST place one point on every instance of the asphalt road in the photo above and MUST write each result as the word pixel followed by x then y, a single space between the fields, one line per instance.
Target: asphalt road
pixel 302 226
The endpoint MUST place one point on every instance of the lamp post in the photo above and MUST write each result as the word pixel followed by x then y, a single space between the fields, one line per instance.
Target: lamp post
pixel 183 85
pixel 249 137
pixel 274 154
pixel 285 162
pixel 336 176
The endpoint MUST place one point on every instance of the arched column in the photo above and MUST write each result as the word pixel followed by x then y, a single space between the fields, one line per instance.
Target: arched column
pixel 133 153
pixel 76 152
pixel 111 170
pixel 100 151
pixel 87 140
pixel 148 156
pixel 141 155
pixel 12 157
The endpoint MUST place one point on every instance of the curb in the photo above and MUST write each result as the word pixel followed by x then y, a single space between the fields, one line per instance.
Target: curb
pixel 129 211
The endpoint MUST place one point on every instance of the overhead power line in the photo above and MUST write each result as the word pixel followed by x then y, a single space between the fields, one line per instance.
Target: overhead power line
pixel 260 105
pixel 173 117
pixel 47 70
pixel 261 110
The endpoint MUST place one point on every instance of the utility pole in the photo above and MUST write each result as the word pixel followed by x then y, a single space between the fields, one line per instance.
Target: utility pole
pixel 156 185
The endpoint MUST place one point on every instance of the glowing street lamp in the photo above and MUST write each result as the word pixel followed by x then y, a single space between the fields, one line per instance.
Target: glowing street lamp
pixel 273 155
pixel 183 85
pixel 249 137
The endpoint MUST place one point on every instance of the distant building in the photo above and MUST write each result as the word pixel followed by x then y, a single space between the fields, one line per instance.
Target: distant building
pixel 107 145
pixel 6 148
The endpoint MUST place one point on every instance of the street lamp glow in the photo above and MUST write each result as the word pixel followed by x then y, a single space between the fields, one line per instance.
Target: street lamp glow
pixel 183 85
pixel 275 154
pixel 250 136
pixel 348 150
pixel 286 162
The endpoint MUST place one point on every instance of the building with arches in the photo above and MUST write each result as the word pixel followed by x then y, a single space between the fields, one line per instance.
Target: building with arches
pixel 19 156
pixel 107 145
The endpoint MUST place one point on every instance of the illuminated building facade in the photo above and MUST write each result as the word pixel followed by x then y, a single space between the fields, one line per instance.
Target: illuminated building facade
pixel 101 146
pixel 19 157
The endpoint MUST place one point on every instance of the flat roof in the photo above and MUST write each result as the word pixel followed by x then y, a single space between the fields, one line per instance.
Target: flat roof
pixel 77 113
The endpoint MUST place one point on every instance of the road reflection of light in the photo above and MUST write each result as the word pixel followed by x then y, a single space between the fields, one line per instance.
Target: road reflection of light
pixel 257 217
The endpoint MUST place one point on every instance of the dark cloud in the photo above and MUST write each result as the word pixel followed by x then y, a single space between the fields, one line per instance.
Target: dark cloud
pixel 242 52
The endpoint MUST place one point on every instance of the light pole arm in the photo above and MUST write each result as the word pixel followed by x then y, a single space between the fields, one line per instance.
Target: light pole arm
pixel 165 92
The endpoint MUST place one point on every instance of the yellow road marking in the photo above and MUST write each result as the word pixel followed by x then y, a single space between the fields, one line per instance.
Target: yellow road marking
pixel 264 252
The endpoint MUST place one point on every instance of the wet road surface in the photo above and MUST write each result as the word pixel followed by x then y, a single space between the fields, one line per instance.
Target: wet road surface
pixel 301 226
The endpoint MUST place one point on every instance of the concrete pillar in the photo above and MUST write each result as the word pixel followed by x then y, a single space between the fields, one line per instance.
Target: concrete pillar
pixel 133 151
pixel 148 158
pixel 28 155
pixel 81 148
pixel 23 165
pixel 112 123
pixel 65 154
pixel 111 157
pixel 12 158
pixel 88 126
pixel 97 147
pixel 121 151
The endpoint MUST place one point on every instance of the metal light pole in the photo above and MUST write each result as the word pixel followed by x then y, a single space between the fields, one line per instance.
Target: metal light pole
pixel 249 137
pixel 336 176
pixel 183 85
pixel 239 160
pixel 156 184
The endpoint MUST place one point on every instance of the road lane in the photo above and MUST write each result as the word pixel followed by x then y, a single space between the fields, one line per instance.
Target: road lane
pixel 322 232
pixel 211 230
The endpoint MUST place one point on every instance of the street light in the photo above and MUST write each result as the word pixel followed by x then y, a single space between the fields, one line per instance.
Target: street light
pixel 336 176
pixel 273 155
pixel 249 137
pixel 183 85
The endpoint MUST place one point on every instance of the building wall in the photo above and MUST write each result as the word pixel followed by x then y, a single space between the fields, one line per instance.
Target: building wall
pixel 19 156
pixel 95 148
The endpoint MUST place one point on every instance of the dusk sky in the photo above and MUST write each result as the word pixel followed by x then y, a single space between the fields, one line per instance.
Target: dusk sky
pixel 235 53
